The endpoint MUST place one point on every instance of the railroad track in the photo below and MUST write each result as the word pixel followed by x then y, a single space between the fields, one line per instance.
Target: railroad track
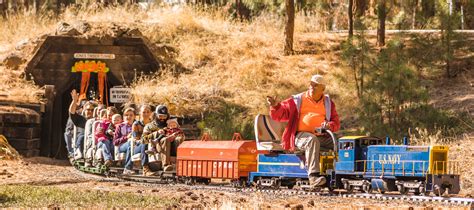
pixel 156 181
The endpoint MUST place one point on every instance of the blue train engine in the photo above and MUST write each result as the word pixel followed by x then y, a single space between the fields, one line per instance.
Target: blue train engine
pixel 369 164
pixel 279 169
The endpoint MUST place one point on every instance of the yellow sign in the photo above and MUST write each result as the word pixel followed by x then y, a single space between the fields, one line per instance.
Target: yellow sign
pixel 90 66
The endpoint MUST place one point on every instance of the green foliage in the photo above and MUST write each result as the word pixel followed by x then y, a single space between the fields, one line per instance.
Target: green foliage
pixel 46 196
pixel 392 89
pixel 229 119
pixel 448 22
pixel 356 52
pixel 392 97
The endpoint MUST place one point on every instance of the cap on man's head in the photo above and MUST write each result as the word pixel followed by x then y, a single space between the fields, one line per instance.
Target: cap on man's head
pixel 318 79
pixel 161 110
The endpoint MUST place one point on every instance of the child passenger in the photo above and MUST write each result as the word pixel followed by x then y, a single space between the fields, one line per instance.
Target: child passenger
pixel 172 132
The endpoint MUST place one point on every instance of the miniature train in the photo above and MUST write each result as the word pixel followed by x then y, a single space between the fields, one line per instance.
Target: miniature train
pixel 356 163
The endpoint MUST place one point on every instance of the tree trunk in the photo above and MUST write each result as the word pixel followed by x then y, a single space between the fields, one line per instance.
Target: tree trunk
pixel 381 13
pixel 290 26
pixel 413 17
pixel 3 8
pixel 428 8
pixel 361 7
pixel 351 18
pixel 238 9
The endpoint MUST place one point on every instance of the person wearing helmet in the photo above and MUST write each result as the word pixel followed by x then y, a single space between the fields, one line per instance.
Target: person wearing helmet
pixel 152 132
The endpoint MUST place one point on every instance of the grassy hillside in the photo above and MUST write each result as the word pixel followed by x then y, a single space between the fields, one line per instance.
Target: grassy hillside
pixel 221 70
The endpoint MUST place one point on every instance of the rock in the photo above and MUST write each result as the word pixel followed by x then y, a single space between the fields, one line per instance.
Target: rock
pixel 154 190
pixel 134 33
pixel 21 44
pixel 82 26
pixel 115 184
pixel 194 197
pixel 311 203
pixel 127 184
pixel 189 193
pixel 139 191
pixel 242 200
pixel 298 207
pixel 221 193
pixel 118 30
pixel 65 29
pixel 287 205
pixel 13 61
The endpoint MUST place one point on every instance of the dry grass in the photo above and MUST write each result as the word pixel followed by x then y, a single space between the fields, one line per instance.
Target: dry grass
pixel 240 63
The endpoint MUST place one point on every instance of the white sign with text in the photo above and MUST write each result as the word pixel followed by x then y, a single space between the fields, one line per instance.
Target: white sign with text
pixel 120 94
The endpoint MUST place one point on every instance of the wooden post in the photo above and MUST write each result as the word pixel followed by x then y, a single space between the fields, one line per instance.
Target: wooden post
pixel 46 122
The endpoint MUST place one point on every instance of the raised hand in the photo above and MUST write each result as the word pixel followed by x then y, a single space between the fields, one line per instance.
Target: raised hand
pixel 74 95
pixel 271 100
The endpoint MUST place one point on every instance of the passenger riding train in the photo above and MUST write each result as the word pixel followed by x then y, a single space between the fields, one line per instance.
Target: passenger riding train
pixel 355 163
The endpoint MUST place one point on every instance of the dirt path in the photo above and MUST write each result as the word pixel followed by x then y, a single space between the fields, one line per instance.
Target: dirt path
pixel 54 173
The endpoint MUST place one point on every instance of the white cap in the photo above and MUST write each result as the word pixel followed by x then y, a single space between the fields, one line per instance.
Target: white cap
pixel 318 79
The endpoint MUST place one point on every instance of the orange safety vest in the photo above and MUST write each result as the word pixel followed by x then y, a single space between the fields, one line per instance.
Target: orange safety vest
pixel 312 114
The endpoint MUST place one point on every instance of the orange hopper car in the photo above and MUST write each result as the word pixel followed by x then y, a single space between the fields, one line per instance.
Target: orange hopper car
pixel 203 160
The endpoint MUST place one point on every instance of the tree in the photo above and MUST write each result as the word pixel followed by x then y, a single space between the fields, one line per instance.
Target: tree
pixel 382 14
pixel 361 7
pixel 290 26
pixel 351 18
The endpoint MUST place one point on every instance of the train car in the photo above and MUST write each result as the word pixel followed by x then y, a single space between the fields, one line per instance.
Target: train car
pixel 275 168
pixel 203 160
pixel 367 164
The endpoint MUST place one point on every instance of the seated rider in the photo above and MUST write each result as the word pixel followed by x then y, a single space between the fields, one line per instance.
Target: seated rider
pixel 116 120
pixel 103 137
pixel 172 132
pixel 304 113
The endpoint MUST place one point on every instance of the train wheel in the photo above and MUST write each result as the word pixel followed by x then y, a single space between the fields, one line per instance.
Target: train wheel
pixel 276 183
pixel 367 188
pixel 258 184
pixel 190 181
pixel 403 190
pixel 348 188
pixel 439 191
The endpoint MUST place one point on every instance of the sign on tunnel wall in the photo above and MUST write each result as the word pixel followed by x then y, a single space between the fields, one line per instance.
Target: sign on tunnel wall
pixel 94 56
pixel 120 94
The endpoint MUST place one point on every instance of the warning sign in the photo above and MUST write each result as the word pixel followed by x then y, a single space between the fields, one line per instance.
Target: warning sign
pixel 120 95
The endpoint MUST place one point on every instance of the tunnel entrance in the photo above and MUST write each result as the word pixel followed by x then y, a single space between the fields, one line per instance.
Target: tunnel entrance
pixel 95 64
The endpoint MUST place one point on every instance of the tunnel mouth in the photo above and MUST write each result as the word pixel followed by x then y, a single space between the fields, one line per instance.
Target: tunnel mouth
pixel 91 65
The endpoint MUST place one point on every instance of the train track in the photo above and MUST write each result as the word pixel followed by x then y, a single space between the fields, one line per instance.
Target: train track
pixel 156 181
